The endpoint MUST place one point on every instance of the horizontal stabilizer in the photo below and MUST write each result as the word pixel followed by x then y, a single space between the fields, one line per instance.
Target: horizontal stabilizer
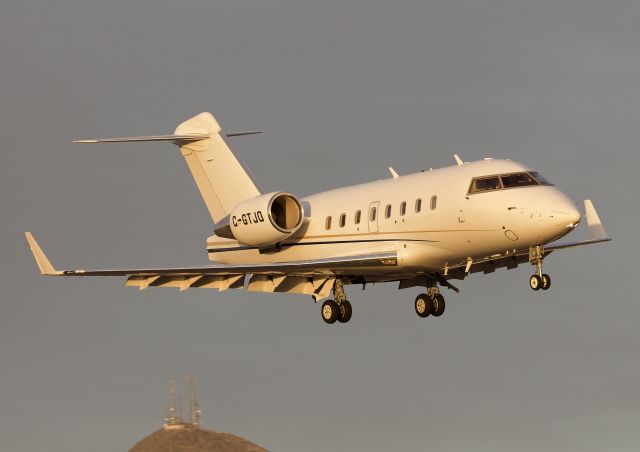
pixel 241 133
pixel 178 139
pixel 220 175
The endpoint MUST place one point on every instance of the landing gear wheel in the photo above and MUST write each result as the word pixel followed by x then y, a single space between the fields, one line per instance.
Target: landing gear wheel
pixel 345 312
pixel 535 282
pixel 330 311
pixel 437 303
pixel 546 281
pixel 423 305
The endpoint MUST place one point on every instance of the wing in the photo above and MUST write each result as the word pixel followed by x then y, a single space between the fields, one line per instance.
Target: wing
pixel 312 277
pixel 487 264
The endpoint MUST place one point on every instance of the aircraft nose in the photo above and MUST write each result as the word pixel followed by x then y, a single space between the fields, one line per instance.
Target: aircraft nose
pixel 575 215
pixel 564 212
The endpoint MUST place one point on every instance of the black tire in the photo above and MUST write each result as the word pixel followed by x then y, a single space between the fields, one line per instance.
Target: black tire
pixel 546 282
pixel 345 312
pixel 535 282
pixel 423 305
pixel 438 305
pixel 330 311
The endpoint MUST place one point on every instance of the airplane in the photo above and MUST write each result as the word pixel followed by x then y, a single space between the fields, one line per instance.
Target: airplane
pixel 421 230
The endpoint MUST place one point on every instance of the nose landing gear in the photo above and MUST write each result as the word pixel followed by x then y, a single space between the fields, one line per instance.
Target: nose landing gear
pixel 539 280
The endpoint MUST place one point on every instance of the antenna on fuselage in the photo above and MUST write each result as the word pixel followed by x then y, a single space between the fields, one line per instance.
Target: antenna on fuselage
pixel 458 160
pixel 393 173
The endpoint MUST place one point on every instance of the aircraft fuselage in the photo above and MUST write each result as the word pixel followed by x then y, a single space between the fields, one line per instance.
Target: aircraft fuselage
pixel 433 220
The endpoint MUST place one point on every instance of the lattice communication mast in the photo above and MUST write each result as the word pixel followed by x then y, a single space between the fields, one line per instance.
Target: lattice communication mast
pixel 173 419
pixel 194 406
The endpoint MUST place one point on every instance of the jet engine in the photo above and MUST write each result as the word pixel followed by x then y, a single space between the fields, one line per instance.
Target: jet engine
pixel 264 220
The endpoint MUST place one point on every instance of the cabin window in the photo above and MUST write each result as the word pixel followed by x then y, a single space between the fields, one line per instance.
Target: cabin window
pixel 403 208
pixel 387 211
pixel 485 184
pixel 372 214
pixel 418 205
pixel 343 220
pixel 357 218
pixel 434 202
pixel 327 223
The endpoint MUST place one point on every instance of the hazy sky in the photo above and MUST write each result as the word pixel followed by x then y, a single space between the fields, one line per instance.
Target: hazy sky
pixel 343 90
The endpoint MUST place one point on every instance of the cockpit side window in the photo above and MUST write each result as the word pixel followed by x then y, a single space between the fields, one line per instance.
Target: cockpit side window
pixel 517 180
pixel 485 184
pixel 539 178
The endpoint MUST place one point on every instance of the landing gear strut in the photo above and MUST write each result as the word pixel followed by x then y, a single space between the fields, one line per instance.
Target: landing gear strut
pixel 431 303
pixel 338 309
pixel 539 280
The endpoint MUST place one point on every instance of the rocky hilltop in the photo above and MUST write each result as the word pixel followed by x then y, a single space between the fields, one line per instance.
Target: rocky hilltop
pixel 194 439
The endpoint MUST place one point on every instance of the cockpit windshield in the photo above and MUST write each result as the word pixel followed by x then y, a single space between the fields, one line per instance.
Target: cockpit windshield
pixel 517 180
pixel 504 181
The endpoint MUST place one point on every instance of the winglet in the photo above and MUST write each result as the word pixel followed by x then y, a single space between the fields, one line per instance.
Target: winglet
pixel 41 259
pixel 594 225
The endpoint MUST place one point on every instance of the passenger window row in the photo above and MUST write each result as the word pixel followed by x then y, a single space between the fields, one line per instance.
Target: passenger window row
pixel 373 212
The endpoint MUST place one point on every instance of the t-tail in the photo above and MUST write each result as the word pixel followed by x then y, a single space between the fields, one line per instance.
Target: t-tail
pixel 221 176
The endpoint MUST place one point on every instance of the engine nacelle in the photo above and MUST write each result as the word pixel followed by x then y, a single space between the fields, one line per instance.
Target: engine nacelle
pixel 263 220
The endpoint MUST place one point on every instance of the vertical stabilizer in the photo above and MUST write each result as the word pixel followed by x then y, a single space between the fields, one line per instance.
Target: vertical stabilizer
pixel 220 175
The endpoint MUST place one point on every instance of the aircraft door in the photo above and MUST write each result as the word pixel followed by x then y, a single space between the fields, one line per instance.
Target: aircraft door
pixel 373 215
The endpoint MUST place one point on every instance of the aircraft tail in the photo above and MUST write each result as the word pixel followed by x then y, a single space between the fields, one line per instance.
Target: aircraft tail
pixel 221 177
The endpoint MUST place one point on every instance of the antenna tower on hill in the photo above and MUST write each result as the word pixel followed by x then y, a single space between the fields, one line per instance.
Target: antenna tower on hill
pixel 173 419
pixel 194 406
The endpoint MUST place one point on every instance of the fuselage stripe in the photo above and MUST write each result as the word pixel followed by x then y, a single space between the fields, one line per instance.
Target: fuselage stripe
pixel 331 242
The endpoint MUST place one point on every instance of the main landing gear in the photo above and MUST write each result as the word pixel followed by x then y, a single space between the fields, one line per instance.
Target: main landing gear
pixel 539 280
pixel 430 303
pixel 338 309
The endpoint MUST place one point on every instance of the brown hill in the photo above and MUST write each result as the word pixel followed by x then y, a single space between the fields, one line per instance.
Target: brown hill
pixel 194 439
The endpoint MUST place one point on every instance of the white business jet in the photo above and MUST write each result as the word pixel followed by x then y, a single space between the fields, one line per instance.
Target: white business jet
pixel 421 230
